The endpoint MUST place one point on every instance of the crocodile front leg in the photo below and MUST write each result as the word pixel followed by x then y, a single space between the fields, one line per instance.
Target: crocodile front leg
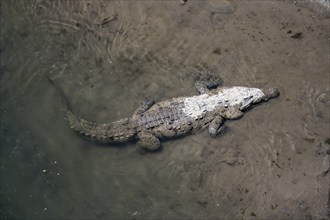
pixel 147 103
pixel 216 126
pixel 232 113
pixel 208 82
pixel 148 141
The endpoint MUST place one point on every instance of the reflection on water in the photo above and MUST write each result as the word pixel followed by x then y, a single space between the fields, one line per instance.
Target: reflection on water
pixel 108 56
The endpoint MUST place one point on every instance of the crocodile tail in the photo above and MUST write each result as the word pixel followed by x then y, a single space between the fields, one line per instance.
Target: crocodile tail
pixel 65 101
pixel 98 132
pixel 118 131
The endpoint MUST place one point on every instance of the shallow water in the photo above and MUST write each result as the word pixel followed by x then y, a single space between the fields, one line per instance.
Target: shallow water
pixel 109 55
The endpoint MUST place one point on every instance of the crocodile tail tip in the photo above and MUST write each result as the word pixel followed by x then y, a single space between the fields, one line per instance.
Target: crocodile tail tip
pixel 72 119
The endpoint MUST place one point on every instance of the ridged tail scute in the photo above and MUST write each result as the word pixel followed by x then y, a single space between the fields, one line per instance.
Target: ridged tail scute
pixel 119 131
pixel 98 132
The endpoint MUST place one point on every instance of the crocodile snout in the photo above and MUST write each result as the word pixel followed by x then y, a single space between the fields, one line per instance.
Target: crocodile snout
pixel 270 93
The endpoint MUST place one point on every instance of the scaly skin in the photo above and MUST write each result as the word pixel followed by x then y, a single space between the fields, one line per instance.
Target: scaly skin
pixel 175 117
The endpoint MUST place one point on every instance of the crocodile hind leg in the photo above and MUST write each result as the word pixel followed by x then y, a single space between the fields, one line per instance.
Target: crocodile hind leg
pixel 216 126
pixel 147 103
pixel 148 141
pixel 207 82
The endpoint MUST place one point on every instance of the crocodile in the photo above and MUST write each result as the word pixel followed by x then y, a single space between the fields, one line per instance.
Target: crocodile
pixel 152 122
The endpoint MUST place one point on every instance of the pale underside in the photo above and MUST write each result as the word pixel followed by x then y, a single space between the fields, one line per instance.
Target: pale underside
pixel 196 106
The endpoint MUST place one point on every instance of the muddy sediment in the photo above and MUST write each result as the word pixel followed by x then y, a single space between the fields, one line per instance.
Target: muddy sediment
pixel 108 56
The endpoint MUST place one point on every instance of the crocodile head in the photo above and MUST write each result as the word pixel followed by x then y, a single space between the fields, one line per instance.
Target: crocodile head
pixel 255 96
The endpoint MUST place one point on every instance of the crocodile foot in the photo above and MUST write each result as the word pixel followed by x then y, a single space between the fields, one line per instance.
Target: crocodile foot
pixel 216 126
pixel 147 103
pixel 207 82
pixel 148 141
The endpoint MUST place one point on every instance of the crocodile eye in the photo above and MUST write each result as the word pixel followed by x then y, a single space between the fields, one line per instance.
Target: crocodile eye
pixel 248 98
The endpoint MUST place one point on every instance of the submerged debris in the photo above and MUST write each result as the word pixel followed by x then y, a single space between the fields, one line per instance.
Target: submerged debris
pixel 183 2
pixel 297 35
pixel 109 19
pixel 327 141
pixel 223 7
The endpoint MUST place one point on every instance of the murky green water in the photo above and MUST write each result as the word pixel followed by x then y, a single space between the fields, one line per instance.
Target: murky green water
pixel 108 56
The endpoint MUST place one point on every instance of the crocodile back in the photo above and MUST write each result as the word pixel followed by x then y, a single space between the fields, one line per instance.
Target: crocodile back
pixel 167 119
